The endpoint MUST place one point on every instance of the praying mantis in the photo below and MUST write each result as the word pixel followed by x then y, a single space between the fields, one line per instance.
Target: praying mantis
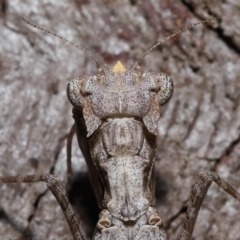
pixel 120 69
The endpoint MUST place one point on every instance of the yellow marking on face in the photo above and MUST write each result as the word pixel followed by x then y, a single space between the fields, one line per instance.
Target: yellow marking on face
pixel 118 68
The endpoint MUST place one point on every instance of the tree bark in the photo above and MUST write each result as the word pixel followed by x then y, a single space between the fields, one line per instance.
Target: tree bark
pixel 198 129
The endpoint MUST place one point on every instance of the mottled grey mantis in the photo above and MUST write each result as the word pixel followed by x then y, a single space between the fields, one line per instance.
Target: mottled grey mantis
pixel 116 114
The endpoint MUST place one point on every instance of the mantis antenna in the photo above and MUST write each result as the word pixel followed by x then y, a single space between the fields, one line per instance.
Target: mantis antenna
pixel 64 39
pixel 173 35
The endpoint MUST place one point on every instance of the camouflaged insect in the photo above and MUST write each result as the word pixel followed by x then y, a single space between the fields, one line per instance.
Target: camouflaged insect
pixel 116 114
pixel 121 109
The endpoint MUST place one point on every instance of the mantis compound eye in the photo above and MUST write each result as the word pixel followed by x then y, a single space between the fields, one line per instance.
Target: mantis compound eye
pixel 74 89
pixel 166 88
pixel 78 87
pixel 164 84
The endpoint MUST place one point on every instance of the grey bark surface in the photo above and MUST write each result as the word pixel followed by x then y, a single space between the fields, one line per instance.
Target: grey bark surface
pixel 198 130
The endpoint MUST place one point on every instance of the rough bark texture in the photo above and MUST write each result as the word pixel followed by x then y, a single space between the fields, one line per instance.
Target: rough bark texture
pixel 198 130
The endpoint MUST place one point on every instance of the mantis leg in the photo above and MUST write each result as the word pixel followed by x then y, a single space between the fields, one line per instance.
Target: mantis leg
pixel 69 156
pixel 197 196
pixel 58 191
